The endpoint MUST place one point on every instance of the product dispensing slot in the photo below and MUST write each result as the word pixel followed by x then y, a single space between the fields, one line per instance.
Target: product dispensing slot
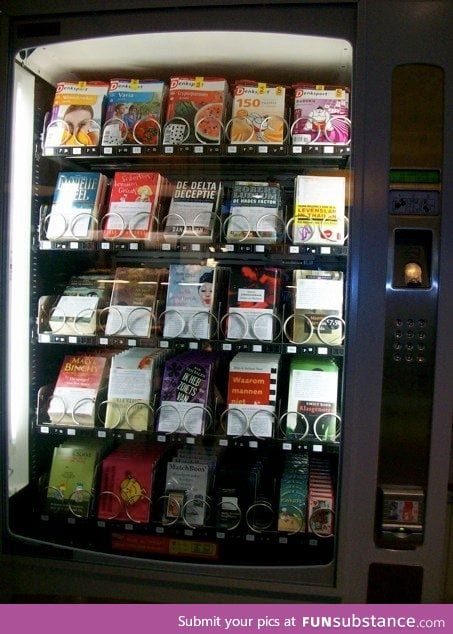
pixel 412 255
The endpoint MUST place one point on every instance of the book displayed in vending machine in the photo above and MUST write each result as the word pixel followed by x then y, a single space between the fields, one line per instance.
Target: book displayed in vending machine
pixel 312 400
pixel 188 393
pixel 134 379
pixel 317 308
pixel 254 213
pixel 258 115
pixel 252 394
pixel 321 115
pixel 134 302
pixel 188 483
pixel 76 115
pixel 192 292
pixel 133 206
pixel 292 509
pixel 319 210
pixel 127 478
pixel 72 478
pixel 253 297
pixel 76 206
pixel 76 310
pixel 321 497
pixel 196 110
pixel 192 211
pixel 81 378
pixel 133 112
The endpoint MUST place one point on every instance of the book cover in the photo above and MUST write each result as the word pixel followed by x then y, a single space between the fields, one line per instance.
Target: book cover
pixel 132 308
pixel 258 113
pixel 313 392
pixel 72 478
pixel 255 213
pixel 321 115
pixel 191 215
pixel 133 112
pixel 321 498
pixel 76 115
pixel 133 206
pixel 195 110
pixel 75 312
pixel 95 283
pixel 133 381
pixel 126 482
pixel 186 485
pixel 292 512
pixel 318 300
pixel 187 392
pixel 319 210
pixel 253 297
pixel 77 201
pixel 190 299
pixel 252 394
pixel 73 401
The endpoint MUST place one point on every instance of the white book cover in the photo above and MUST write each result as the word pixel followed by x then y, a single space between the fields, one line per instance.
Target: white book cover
pixel 319 210
pixel 318 307
pixel 130 388
pixel 191 480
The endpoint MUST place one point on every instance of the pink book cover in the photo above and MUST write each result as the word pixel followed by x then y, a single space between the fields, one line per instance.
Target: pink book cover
pixel 126 483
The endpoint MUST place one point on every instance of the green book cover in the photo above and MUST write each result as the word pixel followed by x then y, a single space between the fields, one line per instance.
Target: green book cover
pixel 313 390
pixel 72 478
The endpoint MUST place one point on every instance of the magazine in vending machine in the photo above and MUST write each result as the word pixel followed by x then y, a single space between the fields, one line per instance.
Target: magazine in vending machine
pixel 225 340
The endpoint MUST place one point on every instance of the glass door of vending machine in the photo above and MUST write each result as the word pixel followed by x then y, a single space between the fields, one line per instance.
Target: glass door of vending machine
pixel 181 307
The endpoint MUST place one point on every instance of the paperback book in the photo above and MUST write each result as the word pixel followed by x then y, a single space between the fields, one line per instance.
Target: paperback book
pixel 258 113
pixel 255 213
pixel 191 296
pixel 76 115
pixel 76 311
pixel 321 115
pixel 321 498
pixel 192 212
pixel 319 210
pixel 134 301
pixel 133 209
pixel 187 393
pixel 187 486
pixel 126 482
pixel 252 394
pixel 312 399
pixel 133 113
pixel 253 298
pixel 318 307
pixel 134 380
pixel 76 206
pixel 72 478
pixel 292 512
pixel 81 378
pixel 195 110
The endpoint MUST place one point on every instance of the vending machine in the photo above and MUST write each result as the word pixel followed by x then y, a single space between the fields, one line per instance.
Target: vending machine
pixel 226 351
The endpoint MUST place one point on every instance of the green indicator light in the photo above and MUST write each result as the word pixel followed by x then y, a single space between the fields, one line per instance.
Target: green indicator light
pixel 414 176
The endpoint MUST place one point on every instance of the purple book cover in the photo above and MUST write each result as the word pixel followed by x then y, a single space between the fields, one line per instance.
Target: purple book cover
pixel 187 378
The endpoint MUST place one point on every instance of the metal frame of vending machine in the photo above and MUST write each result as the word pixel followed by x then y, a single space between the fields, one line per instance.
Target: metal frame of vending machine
pixel 398 361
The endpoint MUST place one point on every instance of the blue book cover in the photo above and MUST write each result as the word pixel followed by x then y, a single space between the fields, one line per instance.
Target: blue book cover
pixel 75 205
